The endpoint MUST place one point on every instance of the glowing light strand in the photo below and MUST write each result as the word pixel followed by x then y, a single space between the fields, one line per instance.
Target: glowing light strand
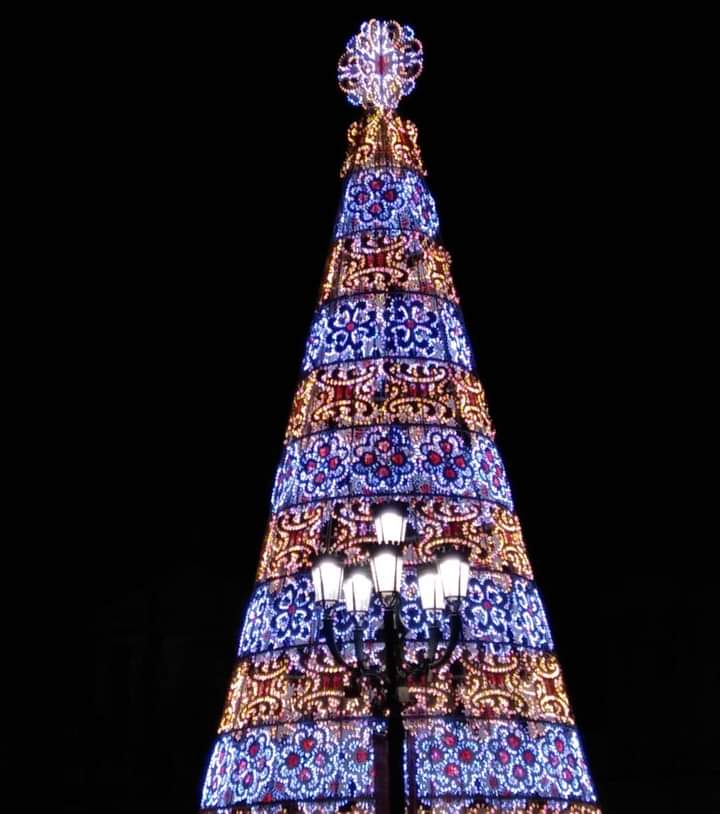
pixel 389 408
pixel 380 64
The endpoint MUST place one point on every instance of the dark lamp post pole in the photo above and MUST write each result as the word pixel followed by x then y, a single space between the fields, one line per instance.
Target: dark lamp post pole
pixel 442 585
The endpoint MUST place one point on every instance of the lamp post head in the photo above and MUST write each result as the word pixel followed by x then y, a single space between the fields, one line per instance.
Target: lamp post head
pixel 327 574
pixel 390 521
pixel 357 589
pixel 432 596
pixel 453 567
pixel 386 564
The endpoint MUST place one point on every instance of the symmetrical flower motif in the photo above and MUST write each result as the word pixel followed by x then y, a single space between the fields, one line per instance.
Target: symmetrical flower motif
pixel 322 465
pixel 411 328
pixel 292 608
pixel 497 610
pixel 397 325
pixel 253 765
pixel 384 459
pixel 351 326
pixel 308 759
pixel 489 608
pixel 447 461
pixel 318 760
pixel 391 200
pixel 515 760
pixel 500 759
pixel 380 64
pixel 389 458
pixel 375 196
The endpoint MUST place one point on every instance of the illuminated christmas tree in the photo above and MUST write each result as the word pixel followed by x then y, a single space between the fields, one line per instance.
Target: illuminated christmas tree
pixel 389 425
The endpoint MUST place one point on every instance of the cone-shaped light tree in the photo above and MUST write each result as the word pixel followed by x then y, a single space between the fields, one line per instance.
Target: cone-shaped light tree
pixel 427 658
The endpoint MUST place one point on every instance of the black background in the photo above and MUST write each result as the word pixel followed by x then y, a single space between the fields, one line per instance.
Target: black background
pixel 207 151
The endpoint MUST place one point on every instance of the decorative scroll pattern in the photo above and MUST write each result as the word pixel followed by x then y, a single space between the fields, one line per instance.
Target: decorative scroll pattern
pixel 514 683
pixel 388 392
pixel 380 64
pixel 388 407
pixel 297 684
pixel 499 759
pixel 499 609
pixel 390 460
pixel 491 533
pixel 288 686
pixel 371 263
pixel 312 760
pixel 389 200
pixel 381 140
pixel 403 325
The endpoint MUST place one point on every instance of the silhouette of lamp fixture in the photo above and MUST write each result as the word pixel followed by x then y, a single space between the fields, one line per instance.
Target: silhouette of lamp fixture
pixel 442 585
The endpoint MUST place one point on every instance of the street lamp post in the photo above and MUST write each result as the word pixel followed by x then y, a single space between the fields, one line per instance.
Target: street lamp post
pixel 442 586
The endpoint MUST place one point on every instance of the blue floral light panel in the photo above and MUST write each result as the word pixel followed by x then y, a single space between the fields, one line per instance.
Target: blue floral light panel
pixel 389 407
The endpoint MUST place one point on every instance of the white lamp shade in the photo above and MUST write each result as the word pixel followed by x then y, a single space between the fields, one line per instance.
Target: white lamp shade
pixel 390 522
pixel 386 567
pixel 327 574
pixel 432 596
pixel 357 589
pixel 454 571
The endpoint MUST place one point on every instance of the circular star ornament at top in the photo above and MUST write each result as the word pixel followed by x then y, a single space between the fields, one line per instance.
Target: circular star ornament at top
pixel 380 64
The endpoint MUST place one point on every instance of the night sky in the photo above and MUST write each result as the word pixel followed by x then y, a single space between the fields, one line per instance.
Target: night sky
pixel 215 147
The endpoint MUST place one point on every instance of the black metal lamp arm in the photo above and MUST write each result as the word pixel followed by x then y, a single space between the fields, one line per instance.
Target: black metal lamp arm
pixel 455 629
pixel 393 669
pixel 329 633
pixel 361 667
pixel 430 662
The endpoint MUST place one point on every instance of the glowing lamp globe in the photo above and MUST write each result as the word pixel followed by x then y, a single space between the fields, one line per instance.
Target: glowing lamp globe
pixel 432 596
pixel 386 564
pixel 390 522
pixel 357 589
pixel 327 574
pixel 454 571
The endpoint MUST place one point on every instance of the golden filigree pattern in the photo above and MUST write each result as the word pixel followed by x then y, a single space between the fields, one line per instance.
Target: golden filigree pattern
pixel 491 533
pixel 372 393
pixel 292 539
pixel 377 263
pixel 518 683
pixel 381 139
pixel 284 688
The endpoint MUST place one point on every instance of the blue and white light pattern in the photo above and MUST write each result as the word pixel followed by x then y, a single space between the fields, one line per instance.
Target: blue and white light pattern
pixel 314 760
pixel 500 759
pixel 380 64
pixel 391 200
pixel 498 610
pixel 382 331
pixel 390 460
pixel 404 326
